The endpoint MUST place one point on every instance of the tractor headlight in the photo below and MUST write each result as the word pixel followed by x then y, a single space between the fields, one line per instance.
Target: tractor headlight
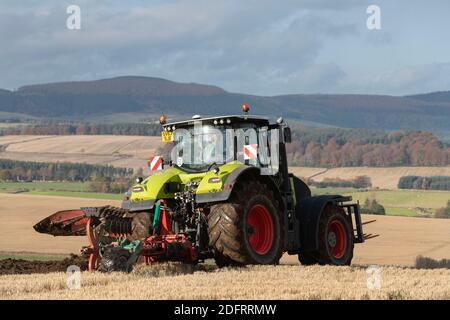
pixel 138 189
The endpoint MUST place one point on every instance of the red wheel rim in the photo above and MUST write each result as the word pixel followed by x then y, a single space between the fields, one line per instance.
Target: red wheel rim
pixel 260 229
pixel 337 239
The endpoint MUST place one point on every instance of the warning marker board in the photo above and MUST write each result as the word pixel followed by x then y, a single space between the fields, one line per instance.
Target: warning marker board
pixel 156 163
pixel 250 151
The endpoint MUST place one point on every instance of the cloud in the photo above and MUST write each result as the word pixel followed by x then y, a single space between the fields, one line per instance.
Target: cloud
pixel 413 79
pixel 222 42
pixel 260 47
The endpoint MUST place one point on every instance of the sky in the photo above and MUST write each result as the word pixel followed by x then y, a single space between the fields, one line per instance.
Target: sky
pixel 258 47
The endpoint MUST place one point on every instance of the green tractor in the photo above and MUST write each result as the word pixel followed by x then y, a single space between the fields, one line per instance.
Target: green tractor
pixel 225 194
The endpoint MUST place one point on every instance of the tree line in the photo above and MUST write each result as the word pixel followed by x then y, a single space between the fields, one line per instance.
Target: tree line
pixel 104 179
pixel 382 150
pixel 128 129
pixel 424 183
pixel 311 147
pixel 360 182
pixel 13 170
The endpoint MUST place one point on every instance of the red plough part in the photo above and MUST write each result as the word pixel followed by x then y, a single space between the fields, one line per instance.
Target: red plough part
pixel 163 244
pixel 64 223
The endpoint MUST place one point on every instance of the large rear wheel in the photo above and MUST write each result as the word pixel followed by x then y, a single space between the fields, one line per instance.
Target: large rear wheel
pixel 248 229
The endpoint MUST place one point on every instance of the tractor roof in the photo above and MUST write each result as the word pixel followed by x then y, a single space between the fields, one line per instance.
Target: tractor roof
pixel 230 119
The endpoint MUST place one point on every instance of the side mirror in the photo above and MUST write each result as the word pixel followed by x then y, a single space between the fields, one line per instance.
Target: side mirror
pixel 287 135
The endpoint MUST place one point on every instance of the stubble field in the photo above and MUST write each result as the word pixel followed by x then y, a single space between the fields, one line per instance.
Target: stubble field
pixel 171 281
pixel 120 151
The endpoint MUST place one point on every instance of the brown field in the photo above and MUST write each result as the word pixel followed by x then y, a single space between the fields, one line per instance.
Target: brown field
pixel 19 213
pixel 120 151
pixel 401 240
pixel 384 178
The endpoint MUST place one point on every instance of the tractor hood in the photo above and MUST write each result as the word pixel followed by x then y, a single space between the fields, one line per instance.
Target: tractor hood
pixel 165 183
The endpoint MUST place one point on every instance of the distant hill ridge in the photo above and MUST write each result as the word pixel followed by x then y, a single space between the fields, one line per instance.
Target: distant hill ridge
pixel 128 85
pixel 131 94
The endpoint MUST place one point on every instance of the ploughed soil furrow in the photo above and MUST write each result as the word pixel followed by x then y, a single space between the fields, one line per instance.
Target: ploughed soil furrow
pixel 19 266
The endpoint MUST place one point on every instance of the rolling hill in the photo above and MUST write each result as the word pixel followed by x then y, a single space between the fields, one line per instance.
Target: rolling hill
pixel 129 94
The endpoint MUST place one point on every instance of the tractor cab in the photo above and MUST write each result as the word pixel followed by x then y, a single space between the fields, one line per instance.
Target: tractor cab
pixel 199 145
pixel 202 144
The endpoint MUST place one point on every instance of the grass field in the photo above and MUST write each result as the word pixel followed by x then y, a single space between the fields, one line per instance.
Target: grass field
pixel 411 203
pixel 62 189
pixel 80 195
pixel 45 186
pixel 397 202
pixel 172 281
pixel 11 124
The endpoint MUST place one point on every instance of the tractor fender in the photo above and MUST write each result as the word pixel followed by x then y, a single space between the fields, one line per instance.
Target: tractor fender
pixel 233 178
pixel 309 211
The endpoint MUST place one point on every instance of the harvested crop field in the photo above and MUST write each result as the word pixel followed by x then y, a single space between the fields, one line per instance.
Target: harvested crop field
pixel 384 178
pixel 172 281
pixel 120 151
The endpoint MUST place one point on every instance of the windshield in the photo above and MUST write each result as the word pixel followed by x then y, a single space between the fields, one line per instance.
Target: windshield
pixel 201 146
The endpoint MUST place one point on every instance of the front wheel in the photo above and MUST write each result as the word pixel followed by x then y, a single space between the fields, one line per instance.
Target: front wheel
pixel 335 237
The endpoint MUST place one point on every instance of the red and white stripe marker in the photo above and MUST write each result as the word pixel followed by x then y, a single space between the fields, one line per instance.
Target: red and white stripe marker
pixel 156 163
pixel 250 151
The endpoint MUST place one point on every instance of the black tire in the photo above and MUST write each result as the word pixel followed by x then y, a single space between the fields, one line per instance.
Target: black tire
pixel 115 259
pixel 337 251
pixel 229 231
pixel 307 258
